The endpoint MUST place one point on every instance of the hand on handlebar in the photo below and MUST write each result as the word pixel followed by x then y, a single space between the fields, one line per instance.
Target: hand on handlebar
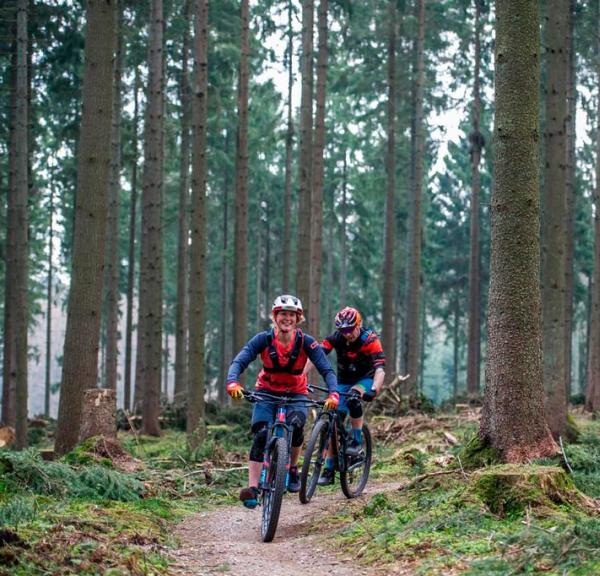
pixel 235 390
pixel 332 401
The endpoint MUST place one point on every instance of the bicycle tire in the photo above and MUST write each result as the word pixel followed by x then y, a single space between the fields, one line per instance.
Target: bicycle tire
pixel 274 489
pixel 355 473
pixel 314 454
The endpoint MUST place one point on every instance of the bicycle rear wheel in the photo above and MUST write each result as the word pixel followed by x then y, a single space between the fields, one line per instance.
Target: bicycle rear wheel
pixel 314 455
pixel 273 489
pixel 354 476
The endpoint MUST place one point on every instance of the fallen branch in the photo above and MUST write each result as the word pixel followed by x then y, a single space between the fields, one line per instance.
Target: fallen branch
pixel 422 477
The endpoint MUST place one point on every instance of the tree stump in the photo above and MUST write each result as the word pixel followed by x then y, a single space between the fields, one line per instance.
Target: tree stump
pixel 511 488
pixel 98 414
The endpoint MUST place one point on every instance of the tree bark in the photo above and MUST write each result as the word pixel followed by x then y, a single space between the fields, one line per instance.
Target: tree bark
pixel 289 145
pixel 343 233
pixel 113 231
pixel 476 142
pixel 570 195
pixel 181 319
pixel 413 292
pixel 553 221
pixel 195 412
pixel 513 419
pixel 49 281
pixel 20 289
pixel 318 168
pixel 150 309
pixel 592 397
pixel 9 382
pixel 240 281
pixel 225 342
pixel 389 328
pixel 305 180
pixel 131 250
pixel 80 362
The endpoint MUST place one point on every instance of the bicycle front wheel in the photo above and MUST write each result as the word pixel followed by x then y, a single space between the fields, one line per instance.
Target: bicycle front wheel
pixel 354 476
pixel 273 489
pixel 314 455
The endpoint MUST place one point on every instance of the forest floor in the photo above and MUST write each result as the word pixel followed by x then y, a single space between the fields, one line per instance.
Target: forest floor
pixel 154 508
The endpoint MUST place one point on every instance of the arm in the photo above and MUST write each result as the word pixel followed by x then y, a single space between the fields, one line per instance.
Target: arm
pixel 375 352
pixel 378 378
pixel 317 356
pixel 246 355
pixel 327 347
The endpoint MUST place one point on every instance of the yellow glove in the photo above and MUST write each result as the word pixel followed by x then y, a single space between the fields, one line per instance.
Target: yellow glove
pixel 235 390
pixel 332 401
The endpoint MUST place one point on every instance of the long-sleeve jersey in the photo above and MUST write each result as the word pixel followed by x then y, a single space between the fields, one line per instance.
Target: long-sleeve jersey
pixel 283 368
pixel 358 359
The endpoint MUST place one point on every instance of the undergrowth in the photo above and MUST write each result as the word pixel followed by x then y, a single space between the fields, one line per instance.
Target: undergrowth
pixel 440 526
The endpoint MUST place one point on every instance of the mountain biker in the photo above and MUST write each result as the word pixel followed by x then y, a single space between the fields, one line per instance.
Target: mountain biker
pixel 360 372
pixel 284 351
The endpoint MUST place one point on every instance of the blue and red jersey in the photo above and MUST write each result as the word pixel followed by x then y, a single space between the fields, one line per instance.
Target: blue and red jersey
pixel 358 359
pixel 283 367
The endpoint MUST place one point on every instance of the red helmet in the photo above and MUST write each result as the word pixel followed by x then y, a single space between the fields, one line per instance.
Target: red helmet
pixel 348 319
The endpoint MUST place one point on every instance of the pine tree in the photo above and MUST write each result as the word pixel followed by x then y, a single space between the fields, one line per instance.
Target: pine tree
pixel 513 420
pixel 80 362
pixel 553 221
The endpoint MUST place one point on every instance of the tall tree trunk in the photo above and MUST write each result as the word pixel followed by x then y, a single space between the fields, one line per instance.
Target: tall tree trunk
pixel 513 419
pixel 240 280
pixel 197 376
pixel 47 380
pixel 343 233
pixel 80 361
pixel 553 221
pixel 225 305
pixel 592 396
pixel 150 310
pixel 570 195
pixel 9 370
pixel 413 288
pixel 258 266
pixel 21 189
pixel 388 331
pixel 165 378
pixel 181 315
pixel 455 345
pixel 112 249
pixel 476 141
pixel 131 250
pixel 289 144
pixel 318 168
pixel 305 180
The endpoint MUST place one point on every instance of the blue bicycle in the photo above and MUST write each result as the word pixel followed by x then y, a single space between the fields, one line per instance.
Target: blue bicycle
pixel 274 477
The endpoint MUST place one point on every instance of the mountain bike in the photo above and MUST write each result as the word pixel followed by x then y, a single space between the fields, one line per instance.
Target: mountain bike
pixel 330 429
pixel 274 478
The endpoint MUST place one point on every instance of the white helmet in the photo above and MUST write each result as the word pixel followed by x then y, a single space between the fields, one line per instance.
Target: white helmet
pixel 287 302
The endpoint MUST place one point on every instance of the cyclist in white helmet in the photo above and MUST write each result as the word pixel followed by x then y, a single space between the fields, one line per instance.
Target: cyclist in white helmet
pixel 284 351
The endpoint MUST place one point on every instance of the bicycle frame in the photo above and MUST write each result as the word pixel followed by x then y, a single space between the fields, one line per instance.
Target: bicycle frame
pixel 279 429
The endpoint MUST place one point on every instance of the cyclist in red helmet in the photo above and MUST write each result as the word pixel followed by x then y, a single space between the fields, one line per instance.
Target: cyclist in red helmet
pixel 284 352
pixel 360 372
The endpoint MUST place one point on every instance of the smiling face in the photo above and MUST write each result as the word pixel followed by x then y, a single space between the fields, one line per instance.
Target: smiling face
pixel 286 320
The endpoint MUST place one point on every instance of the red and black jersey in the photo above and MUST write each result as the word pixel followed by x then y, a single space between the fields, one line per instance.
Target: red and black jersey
pixel 355 360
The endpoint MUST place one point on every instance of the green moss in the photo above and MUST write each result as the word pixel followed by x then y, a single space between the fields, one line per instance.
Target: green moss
pixel 508 489
pixel 476 454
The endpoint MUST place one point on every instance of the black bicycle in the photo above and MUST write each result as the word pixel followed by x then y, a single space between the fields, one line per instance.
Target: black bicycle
pixel 274 478
pixel 330 430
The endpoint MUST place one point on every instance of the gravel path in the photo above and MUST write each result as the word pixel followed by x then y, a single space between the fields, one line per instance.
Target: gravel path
pixel 227 541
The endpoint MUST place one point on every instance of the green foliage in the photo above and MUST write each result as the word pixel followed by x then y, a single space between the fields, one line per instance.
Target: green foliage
pixel 27 471
pixel 475 453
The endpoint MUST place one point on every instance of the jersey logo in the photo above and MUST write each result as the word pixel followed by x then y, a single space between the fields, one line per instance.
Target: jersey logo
pixel 314 345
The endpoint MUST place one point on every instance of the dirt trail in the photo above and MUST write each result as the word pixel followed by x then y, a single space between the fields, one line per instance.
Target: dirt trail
pixel 227 541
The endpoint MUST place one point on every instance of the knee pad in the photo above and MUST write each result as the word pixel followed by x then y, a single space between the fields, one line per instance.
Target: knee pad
pixel 297 421
pixel 257 450
pixel 354 406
